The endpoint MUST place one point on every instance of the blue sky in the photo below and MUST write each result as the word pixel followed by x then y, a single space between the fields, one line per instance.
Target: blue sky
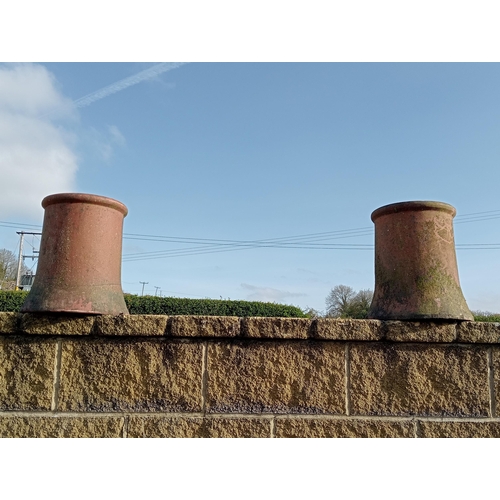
pixel 257 151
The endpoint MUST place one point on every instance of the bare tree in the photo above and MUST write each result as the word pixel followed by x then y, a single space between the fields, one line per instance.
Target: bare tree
pixel 8 265
pixel 344 302
pixel 338 300
pixel 8 269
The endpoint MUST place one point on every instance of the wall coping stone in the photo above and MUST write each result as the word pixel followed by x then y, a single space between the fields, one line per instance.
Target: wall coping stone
pixel 150 325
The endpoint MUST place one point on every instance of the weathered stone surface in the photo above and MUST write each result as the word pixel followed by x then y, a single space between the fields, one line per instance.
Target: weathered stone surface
pixel 279 377
pixel 26 373
pixel 432 429
pixel 61 427
pixel 341 428
pixel 418 379
pixel 472 331
pixel 204 326
pixel 282 328
pixel 348 329
pixel 46 324
pixel 148 325
pixel 132 375
pixel 419 331
pixel 199 427
pixel 8 322
pixel 496 378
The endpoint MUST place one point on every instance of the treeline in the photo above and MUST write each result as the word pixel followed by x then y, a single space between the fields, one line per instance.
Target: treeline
pixel 342 303
pixel 11 301
pixel 345 302
pixel 486 316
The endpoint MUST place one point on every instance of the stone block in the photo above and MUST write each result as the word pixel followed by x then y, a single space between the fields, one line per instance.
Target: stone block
pixel 198 427
pixel 419 379
pixel 48 324
pixel 26 373
pixel 496 379
pixel 8 322
pixel 447 429
pixel 280 328
pixel 204 326
pixel 148 325
pixel 324 427
pixel 419 331
pixel 61 427
pixel 276 377
pixel 478 332
pixel 348 329
pixel 130 375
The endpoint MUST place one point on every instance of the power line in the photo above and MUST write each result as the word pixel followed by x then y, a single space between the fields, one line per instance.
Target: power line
pixel 181 253
pixel 155 237
pixel 304 241
pixel 308 239
pixel 282 242
pixel 368 247
pixel 473 219
pixel 232 243
pixel 477 213
pixel 250 245
pixel 473 215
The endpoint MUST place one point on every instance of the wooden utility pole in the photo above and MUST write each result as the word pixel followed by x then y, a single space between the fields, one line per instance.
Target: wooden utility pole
pixel 19 260
pixel 21 256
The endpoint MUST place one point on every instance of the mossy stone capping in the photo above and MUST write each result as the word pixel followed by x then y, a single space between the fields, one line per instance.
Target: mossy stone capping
pixel 337 329
pixel 9 322
pixel 204 326
pixel 144 325
pixel 284 328
pixel 348 329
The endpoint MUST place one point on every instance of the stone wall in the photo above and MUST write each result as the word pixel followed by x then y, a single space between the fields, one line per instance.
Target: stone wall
pixel 195 376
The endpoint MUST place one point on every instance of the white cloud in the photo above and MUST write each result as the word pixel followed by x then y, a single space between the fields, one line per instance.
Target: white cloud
pixel 267 294
pixel 31 90
pixel 36 155
pixel 104 143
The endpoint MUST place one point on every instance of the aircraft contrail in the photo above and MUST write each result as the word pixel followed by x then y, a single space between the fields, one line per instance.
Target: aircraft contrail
pixel 155 70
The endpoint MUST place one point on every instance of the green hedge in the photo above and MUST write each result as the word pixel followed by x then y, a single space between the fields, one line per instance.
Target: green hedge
pixel 12 301
pixel 208 307
pixel 486 316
